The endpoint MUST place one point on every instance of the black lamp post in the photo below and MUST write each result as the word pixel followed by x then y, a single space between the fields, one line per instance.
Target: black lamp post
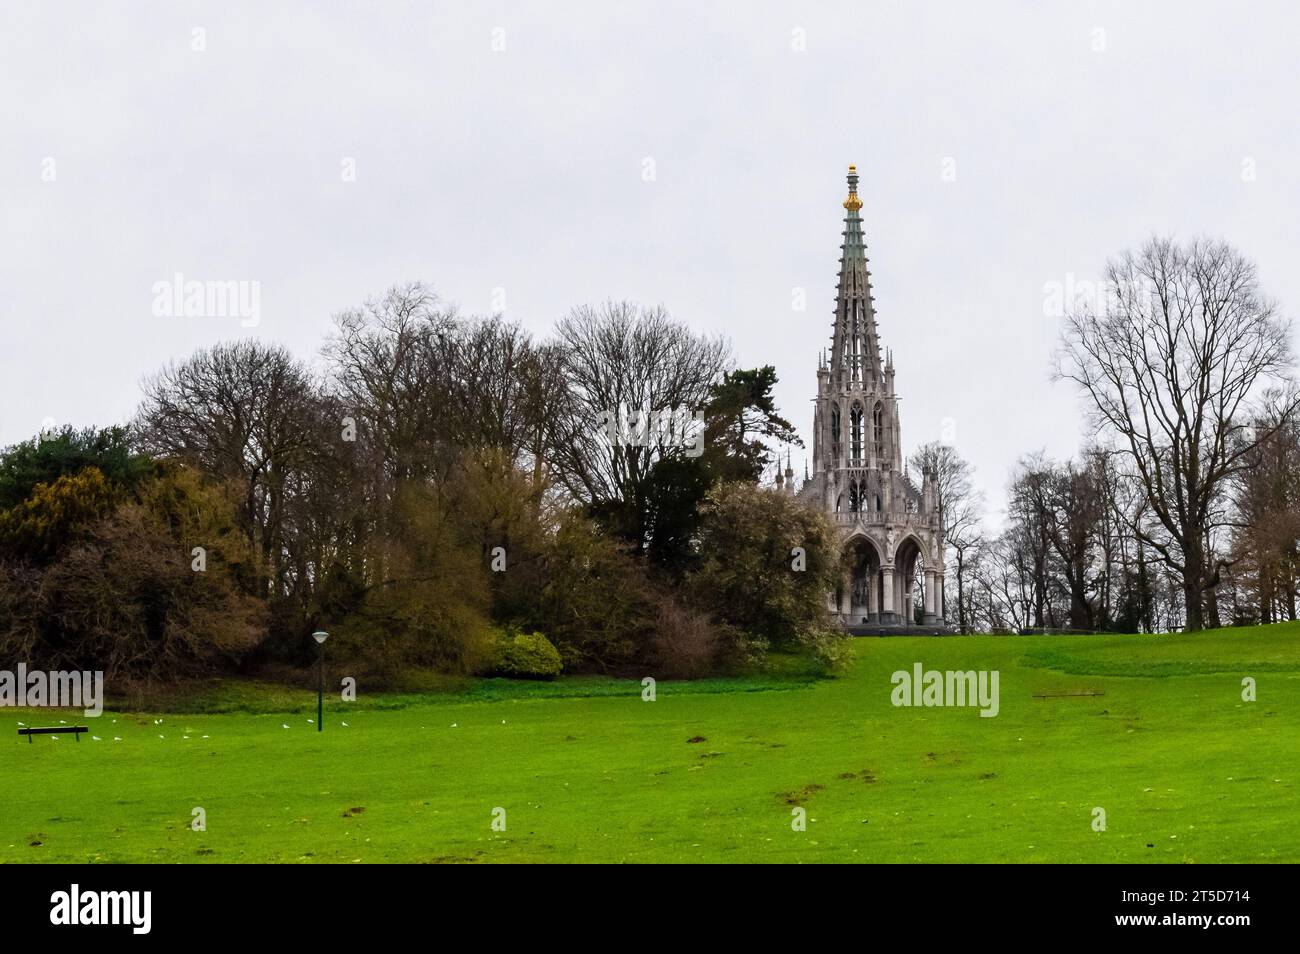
pixel 320 636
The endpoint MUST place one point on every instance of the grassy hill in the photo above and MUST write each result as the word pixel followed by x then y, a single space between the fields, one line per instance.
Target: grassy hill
pixel 586 771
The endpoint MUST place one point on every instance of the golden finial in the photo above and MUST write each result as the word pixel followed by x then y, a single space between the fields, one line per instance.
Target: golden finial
pixel 853 203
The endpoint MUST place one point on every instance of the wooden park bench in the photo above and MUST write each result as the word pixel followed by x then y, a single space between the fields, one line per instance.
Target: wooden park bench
pixel 30 731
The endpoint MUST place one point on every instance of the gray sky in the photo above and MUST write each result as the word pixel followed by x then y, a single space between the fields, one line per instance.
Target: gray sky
pixel 1001 147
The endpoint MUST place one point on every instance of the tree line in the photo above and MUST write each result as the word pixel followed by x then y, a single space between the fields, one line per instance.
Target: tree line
pixel 1183 510
pixel 435 488
pixel 450 492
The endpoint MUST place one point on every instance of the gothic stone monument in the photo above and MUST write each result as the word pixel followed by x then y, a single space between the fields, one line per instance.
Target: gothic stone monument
pixel 891 535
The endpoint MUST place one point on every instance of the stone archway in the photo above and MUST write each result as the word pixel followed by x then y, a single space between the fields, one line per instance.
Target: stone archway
pixel 857 599
pixel 918 582
pixel 909 570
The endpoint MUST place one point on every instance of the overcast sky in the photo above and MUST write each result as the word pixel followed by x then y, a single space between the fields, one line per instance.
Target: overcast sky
pixel 690 155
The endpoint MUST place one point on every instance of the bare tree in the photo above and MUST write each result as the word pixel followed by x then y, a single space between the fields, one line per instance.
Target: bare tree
pixel 498 386
pixel 1029 535
pixel 1266 532
pixel 426 387
pixel 961 509
pixel 1170 365
pixel 246 413
pixel 1062 507
pixel 999 598
pixel 389 365
pixel 619 359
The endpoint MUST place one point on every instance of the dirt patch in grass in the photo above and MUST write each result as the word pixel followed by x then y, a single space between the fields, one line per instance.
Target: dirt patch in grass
pixel 866 775
pixel 798 796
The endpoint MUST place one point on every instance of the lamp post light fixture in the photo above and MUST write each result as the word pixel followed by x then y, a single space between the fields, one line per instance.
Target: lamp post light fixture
pixel 320 636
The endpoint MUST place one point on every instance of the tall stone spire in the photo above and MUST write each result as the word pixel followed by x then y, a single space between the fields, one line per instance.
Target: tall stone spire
pixel 891 537
pixel 855 348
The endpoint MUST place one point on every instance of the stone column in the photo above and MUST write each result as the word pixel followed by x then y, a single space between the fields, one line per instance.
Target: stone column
pixel 873 596
pixel 931 613
pixel 940 611
pixel 846 594
pixel 887 614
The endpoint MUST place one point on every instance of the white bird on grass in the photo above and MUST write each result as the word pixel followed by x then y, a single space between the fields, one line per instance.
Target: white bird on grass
pixel 117 738
pixel 284 725
pixel 97 738
pixel 346 725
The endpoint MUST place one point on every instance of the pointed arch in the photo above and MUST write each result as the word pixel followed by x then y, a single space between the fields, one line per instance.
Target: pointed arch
pixel 908 550
pixel 855 431
pixel 909 559
pixel 859 540
pixel 860 562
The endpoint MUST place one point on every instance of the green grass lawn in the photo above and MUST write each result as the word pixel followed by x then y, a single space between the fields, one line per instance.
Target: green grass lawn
pixel 586 771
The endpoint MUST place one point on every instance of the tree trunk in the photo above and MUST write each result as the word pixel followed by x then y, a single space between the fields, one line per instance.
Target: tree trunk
pixel 1193 580
pixel 1212 607
pixel 1144 591
pixel 961 600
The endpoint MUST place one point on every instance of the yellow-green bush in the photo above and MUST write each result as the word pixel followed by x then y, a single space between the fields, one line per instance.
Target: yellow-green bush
pixel 528 656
